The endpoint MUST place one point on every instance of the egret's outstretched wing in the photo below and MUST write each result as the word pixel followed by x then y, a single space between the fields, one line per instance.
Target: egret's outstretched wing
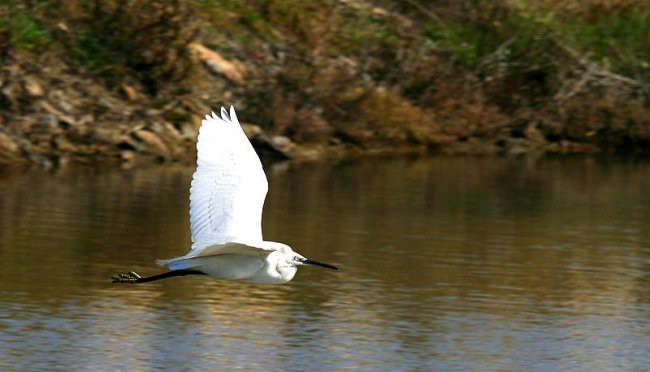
pixel 228 187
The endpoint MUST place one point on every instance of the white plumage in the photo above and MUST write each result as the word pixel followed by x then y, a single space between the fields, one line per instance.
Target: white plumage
pixel 226 200
pixel 228 187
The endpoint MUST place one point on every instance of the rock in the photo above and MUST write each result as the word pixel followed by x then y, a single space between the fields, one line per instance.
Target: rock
pixel 84 123
pixel 129 159
pixel 41 160
pixel 534 134
pixel 380 12
pixel 217 64
pixel 251 130
pixel 62 26
pixel 518 146
pixel 64 144
pixel 307 153
pixel 170 130
pixel 49 122
pixel 61 117
pixel 153 142
pixel 153 112
pixel 195 120
pixel 32 86
pixel 129 92
pixel 281 141
pixel 107 135
pixel 128 155
pixel 112 104
pixel 60 99
pixel 335 141
pixel 8 97
pixel 275 146
pixel 521 146
pixel 130 143
pixel 176 114
pixel 265 147
pixel 7 145
pixel 473 146
pixel 189 131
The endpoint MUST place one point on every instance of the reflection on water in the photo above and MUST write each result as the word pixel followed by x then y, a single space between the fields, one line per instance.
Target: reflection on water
pixel 447 263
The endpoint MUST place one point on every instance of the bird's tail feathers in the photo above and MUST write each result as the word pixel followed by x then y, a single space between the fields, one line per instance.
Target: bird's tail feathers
pixel 164 262
pixel 179 263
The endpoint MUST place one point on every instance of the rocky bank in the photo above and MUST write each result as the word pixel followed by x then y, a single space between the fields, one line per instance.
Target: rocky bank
pixel 129 82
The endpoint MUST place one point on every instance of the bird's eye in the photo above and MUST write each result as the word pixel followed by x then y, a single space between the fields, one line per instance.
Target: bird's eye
pixel 296 258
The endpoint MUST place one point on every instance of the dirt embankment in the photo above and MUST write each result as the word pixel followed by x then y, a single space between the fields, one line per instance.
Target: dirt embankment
pixel 127 81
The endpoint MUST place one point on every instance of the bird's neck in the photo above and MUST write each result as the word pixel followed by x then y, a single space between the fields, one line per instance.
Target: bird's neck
pixel 278 268
pixel 287 272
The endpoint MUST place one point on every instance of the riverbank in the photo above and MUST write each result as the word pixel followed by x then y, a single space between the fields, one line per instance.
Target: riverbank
pixel 94 81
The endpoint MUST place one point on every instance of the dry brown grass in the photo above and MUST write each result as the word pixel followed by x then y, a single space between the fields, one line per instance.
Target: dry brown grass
pixel 147 39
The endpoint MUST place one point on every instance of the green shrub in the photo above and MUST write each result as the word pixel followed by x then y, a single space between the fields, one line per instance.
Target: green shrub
pixel 26 30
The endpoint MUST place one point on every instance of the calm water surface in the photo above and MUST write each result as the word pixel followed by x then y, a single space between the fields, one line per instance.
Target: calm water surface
pixel 448 263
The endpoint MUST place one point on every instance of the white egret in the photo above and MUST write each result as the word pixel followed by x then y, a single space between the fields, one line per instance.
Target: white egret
pixel 226 199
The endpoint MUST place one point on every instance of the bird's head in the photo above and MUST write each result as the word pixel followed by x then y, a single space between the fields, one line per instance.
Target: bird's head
pixel 294 259
pixel 287 261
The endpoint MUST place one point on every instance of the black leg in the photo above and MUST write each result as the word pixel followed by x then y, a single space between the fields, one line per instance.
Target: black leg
pixel 134 278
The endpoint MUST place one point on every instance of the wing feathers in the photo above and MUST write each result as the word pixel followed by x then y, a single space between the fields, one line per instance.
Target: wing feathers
pixel 224 115
pixel 233 115
pixel 189 260
pixel 229 185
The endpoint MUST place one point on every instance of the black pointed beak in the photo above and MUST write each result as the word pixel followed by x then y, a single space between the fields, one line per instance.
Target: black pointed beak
pixel 321 264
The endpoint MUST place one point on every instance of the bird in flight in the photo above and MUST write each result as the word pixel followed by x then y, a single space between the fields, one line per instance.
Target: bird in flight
pixel 226 199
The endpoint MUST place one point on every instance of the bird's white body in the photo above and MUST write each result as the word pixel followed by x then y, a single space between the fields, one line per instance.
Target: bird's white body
pixel 268 262
pixel 255 270
pixel 226 200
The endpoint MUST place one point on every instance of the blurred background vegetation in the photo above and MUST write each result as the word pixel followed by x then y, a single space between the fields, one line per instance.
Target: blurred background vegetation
pixel 119 78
